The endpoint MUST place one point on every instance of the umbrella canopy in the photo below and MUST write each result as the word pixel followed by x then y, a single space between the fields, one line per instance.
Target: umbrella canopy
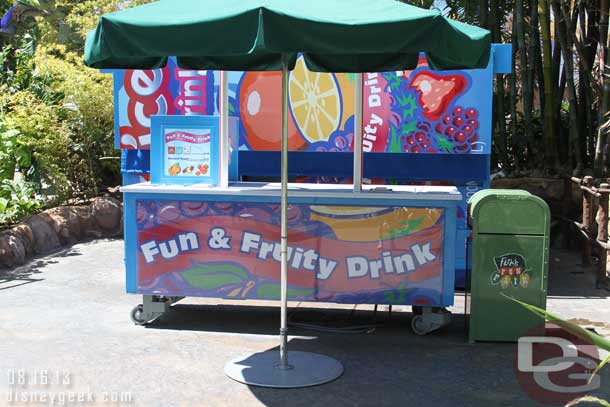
pixel 332 35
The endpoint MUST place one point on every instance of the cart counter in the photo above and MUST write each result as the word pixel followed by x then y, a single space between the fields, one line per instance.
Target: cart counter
pixel 385 245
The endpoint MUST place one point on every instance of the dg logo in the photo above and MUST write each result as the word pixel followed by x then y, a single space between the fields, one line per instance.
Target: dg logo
pixel 555 367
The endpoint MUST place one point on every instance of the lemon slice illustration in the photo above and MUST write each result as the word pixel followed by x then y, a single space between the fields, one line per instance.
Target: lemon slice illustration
pixel 315 102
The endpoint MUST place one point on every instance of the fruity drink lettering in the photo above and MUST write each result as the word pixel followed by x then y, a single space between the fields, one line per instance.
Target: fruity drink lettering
pixel 314 262
pixel 193 87
pixel 149 95
pixel 376 110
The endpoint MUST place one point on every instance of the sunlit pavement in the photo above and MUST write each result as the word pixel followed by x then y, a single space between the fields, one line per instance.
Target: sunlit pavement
pixel 65 330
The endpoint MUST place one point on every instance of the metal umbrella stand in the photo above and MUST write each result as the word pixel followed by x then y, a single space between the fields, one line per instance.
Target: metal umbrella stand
pixel 270 369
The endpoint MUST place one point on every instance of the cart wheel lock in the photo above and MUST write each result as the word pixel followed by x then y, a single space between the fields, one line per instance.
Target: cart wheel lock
pixel 428 319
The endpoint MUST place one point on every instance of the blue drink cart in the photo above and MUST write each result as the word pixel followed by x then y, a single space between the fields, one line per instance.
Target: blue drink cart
pixel 388 219
pixel 384 244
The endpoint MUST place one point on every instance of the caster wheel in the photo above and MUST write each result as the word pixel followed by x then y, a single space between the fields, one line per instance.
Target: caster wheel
pixel 137 315
pixel 418 325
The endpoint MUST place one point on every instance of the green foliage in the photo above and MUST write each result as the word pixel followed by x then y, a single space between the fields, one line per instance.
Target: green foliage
pixel 67 22
pixel 17 199
pixel 56 115
pixel 13 153
pixel 420 3
pixel 464 10
pixel 588 399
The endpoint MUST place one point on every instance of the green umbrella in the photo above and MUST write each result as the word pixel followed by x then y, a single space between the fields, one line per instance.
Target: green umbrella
pixel 333 35
pixel 264 35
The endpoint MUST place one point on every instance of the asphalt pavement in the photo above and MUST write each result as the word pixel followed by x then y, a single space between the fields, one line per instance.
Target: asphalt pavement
pixel 66 339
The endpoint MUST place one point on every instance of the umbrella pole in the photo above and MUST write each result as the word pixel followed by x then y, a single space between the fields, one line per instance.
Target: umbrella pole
pixel 263 368
pixel 225 145
pixel 358 134
pixel 284 221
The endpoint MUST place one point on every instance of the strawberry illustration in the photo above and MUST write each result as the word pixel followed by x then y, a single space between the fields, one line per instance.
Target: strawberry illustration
pixel 437 92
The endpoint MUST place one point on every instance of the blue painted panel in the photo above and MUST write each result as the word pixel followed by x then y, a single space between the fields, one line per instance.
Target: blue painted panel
pixel 131 278
pixel 415 167
pixel 449 261
pixel 503 58
pixel 135 162
pixel 419 203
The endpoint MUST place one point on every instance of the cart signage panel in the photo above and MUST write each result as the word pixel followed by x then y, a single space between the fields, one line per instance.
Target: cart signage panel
pixel 141 94
pixel 185 150
pixel 418 111
pixel 390 255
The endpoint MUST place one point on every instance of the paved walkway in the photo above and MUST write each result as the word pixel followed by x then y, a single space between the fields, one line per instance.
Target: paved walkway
pixel 68 313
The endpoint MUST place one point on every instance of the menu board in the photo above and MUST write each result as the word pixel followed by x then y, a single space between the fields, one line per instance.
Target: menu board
pixel 185 150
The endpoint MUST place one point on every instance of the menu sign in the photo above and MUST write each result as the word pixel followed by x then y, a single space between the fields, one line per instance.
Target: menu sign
pixel 185 150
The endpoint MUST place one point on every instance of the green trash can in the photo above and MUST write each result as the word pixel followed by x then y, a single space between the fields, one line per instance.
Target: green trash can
pixel 510 255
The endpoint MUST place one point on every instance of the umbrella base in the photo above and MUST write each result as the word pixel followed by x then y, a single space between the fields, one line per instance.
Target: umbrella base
pixel 262 369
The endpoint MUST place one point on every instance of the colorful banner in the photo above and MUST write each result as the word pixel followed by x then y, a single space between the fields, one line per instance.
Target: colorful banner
pixel 139 95
pixel 419 111
pixel 376 255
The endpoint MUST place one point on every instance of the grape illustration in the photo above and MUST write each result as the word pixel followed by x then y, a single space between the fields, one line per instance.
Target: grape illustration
pixel 222 208
pixel 169 213
pixel 419 140
pixel 458 130
pixel 259 214
pixel 339 140
pixel 193 208
pixel 143 217
pixel 296 214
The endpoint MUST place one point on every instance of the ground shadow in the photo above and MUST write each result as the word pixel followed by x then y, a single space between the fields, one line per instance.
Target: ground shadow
pixel 387 365
pixel 568 277
pixel 264 320
pixel 409 371
pixel 33 271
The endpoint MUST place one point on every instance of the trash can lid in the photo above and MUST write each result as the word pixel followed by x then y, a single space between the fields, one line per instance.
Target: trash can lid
pixel 509 211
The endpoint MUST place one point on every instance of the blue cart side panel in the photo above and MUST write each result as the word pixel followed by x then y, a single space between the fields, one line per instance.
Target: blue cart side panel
pixel 131 246
pixel 221 246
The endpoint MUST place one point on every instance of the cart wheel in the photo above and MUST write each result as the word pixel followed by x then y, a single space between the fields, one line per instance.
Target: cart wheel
pixel 418 325
pixel 137 315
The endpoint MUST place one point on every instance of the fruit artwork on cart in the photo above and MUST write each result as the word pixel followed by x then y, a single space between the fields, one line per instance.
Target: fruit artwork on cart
pixel 336 253
pixel 418 111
